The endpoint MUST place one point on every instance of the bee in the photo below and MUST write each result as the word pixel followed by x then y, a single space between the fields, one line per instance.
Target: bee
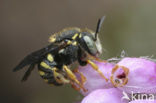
pixel 69 46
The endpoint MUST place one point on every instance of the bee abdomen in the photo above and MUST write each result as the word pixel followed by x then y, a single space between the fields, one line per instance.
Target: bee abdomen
pixel 48 76
pixel 46 68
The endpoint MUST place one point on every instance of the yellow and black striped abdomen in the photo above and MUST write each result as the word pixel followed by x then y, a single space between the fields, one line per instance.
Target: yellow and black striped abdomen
pixel 46 70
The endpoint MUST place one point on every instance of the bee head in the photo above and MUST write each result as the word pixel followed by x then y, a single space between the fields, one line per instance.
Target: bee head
pixel 92 41
pixel 93 47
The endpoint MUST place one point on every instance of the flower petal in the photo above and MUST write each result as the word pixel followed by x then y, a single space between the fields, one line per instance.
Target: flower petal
pixel 111 95
pixel 141 77
pixel 93 79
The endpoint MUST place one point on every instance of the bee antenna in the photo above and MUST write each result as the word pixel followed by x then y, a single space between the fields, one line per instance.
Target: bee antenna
pixel 99 24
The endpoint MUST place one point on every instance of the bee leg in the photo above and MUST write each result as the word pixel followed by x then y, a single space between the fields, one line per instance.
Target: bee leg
pixel 95 67
pixel 97 59
pixel 59 77
pixel 72 76
pixel 50 73
pixel 75 87
pixel 83 78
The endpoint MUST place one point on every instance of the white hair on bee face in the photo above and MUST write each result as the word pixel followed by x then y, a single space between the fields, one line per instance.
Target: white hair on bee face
pixel 94 47
pixel 98 45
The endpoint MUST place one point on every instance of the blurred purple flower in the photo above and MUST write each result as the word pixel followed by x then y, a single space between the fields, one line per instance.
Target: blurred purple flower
pixel 143 101
pixel 111 95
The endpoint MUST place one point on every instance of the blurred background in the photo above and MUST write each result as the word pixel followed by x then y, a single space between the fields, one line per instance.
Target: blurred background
pixel 25 26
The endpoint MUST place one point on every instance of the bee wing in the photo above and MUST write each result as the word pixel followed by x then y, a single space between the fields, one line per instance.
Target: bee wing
pixel 28 72
pixel 35 57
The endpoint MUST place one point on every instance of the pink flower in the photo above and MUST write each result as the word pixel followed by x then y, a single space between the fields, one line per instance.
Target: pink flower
pixel 111 95
pixel 93 79
pixel 141 77
pixel 143 101
pixel 128 76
